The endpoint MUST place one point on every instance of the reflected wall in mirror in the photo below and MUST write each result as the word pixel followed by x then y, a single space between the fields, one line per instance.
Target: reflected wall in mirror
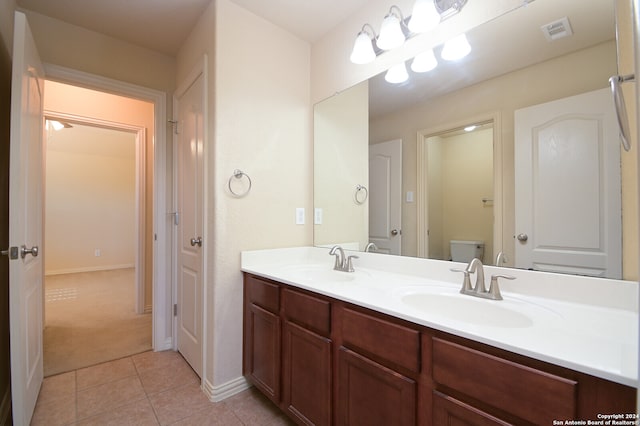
pixel 511 66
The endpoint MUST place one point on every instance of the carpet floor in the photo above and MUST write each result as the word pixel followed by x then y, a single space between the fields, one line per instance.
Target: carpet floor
pixel 90 318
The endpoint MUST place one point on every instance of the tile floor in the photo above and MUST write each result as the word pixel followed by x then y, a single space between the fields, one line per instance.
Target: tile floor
pixel 151 388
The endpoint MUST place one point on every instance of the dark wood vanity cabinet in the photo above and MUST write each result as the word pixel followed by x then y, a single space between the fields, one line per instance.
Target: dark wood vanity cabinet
pixel 324 361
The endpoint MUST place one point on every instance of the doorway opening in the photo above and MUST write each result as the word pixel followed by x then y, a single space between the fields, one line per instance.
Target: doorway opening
pixel 98 271
pixel 459 189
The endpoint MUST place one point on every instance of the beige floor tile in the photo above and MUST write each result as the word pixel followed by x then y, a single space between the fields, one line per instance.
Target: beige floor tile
pixel 176 373
pixel 179 403
pixel 109 396
pixel 105 373
pixel 253 408
pixel 56 387
pixel 217 415
pixel 55 412
pixel 139 413
pixel 150 360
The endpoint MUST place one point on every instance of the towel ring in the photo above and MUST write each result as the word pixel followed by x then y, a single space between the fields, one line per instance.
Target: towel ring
pixel 239 174
pixel 361 195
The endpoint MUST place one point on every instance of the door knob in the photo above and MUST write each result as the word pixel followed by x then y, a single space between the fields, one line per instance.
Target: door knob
pixel 196 242
pixel 24 251
pixel 522 237
pixel 395 232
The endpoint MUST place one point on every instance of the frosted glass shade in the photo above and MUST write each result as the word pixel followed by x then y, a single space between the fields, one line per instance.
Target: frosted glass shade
pixel 397 74
pixel 391 35
pixel 424 17
pixel 456 48
pixel 425 61
pixel 362 52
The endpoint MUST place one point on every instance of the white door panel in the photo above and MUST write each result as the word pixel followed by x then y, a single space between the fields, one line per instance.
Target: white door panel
pixel 25 222
pixel 385 199
pixel 190 193
pixel 567 170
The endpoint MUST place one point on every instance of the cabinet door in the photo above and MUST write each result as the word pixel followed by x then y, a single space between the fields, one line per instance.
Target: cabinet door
pixel 371 394
pixel 262 357
pixel 306 387
pixel 450 411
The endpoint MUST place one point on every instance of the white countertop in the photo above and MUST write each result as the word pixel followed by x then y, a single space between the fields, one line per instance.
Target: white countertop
pixel 585 324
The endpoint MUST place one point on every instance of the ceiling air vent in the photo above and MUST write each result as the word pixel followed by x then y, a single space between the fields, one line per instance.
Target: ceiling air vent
pixel 557 29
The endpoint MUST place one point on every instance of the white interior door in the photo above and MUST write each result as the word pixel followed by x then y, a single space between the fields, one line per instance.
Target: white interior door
pixel 385 198
pixel 567 175
pixel 190 145
pixel 25 223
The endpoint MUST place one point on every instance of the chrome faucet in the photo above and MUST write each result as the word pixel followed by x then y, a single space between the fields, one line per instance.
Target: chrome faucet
pixel 370 246
pixel 479 289
pixel 343 263
pixel 501 258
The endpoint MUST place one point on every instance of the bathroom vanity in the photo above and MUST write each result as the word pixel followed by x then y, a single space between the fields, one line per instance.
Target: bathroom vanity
pixel 366 347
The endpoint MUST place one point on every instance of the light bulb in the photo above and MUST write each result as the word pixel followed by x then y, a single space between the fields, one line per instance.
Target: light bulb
pixel 456 48
pixel 424 17
pixel 391 35
pixel 362 49
pixel 397 74
pixel 425 61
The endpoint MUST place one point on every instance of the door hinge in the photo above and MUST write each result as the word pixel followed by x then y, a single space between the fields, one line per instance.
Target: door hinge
pixel 12 252
pixel 174 123
pixel 175 309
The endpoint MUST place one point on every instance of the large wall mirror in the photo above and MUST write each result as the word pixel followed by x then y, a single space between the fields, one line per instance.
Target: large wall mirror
pixel 402 165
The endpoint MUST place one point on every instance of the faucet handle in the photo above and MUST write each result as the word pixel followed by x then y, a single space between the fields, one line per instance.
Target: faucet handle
pixel 494 288
pixel 350 263
pixel 466 281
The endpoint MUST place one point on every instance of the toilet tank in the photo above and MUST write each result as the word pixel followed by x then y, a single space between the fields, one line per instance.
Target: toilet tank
pixel 465 251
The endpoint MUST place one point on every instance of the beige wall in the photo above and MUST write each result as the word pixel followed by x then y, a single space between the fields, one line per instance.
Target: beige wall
pixel 629 164
pixel 90 201
pixel 77 101
pixel 341 141
pixel 259 121
pixel 80 49
pixel 462 176
pixel 582 71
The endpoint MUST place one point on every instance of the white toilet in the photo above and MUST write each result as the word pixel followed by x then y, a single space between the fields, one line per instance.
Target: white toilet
pixel 465 251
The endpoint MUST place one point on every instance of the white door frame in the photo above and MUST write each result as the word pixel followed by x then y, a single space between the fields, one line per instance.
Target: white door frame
pixel 162 337
pixel 140 183
pixel 422 189
pixel 200 68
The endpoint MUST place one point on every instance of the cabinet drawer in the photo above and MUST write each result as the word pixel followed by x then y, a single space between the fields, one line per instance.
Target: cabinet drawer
pixel 307 311
pixel 527 393
pixel 383 339
pixel 262 293
pixel 450 411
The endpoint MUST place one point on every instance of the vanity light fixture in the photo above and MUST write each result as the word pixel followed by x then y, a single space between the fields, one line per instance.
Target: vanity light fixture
pixel 391 33
pixel 57 125
pixel 424 62
pixel 397 74
pixel 395 29
pixel 456 48
pixel 425 16
pixel 363 51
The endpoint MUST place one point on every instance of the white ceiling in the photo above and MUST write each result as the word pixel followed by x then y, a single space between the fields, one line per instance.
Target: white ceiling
pixel 163 25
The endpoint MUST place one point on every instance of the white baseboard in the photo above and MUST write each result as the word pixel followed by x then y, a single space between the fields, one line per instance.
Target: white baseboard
pixel 224 391
pixel 5 406
pixel 89 269
pixel 166 346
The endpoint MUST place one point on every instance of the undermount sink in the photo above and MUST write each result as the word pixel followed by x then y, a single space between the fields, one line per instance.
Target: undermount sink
pixel 476 311
pixel 319 273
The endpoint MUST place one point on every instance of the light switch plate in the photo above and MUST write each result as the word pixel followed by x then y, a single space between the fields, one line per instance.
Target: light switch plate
pixel 300 216
pixel 317 216
pixel 409 196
